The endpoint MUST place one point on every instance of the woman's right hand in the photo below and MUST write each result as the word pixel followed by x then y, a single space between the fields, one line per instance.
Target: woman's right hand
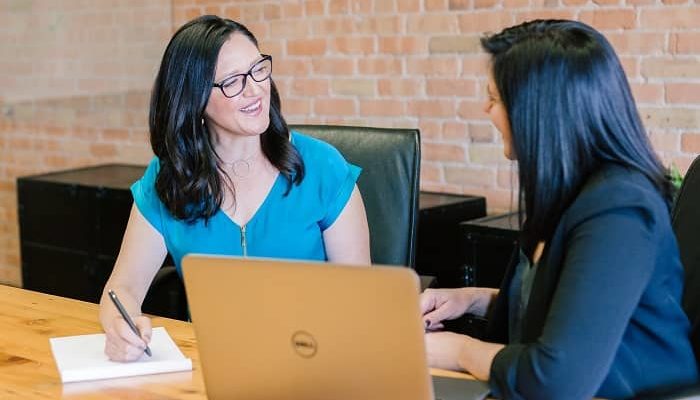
pixel 438 305
pixel 121 343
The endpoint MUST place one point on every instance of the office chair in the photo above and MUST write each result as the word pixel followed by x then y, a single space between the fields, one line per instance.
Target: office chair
pixel 166 296
pixel 389 184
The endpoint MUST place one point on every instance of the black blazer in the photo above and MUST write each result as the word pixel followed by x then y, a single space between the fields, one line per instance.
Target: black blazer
pixel 604 316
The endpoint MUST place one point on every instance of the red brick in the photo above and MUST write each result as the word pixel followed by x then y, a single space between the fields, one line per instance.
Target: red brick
pixel 332 26
pixel 384 6
pixel 306 47
pixel 380 66
pixel 353 45
pixel 451 87
pixel 329 106
pixel 470 176
pixel 430 172
pixel 452 130
pixel 333 66
pixel 433 23
pixel 403 45
pixel 487 21
pixel 309 87
pixel 649 93
pixel 314 7
pixel 408 6
pixel 431 108
pixel 685 43
pixel 665 141
pixel 400 87
pixel 389 108
pixel 610 18
pixel 433 66
pixel 690 142
pixel 654 67
pixel 669 18
pixel 485 3
pixel 292 10
pixel 294 68
pixel 296 106
pixel 638 43
pixel 430 128
pixel 443 152
pixel 382 25
pixel 459 4
pixel 683 93
pixel 471 109
pixel 670 118
pixel 338 7
pixel 435 5
pixel 543 14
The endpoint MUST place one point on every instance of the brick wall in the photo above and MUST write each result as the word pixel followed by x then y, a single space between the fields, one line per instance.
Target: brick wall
pixel 392 63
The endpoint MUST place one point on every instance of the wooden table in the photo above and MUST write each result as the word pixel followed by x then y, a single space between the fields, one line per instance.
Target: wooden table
pixel 28 371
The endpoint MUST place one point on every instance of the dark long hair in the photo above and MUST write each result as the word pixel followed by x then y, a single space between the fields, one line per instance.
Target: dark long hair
pixel 570 110
pixel 191 180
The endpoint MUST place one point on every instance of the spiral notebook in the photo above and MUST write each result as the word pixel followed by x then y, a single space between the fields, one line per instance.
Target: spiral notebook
pixel 82 358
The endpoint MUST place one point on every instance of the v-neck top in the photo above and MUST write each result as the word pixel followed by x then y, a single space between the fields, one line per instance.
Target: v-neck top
pixel 284 226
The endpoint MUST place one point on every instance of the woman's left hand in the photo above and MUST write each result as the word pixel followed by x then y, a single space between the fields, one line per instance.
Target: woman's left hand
pixel 444 350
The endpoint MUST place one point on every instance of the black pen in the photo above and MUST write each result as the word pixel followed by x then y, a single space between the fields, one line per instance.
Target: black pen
pixel 126 317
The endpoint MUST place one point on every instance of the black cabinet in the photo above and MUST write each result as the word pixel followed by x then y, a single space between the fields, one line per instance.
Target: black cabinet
pixel 487 244
pixel 438 244
pixel 71 227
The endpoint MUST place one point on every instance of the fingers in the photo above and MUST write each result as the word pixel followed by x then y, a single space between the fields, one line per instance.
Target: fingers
pixel 122 344
pixel 144 326
pixel 427 301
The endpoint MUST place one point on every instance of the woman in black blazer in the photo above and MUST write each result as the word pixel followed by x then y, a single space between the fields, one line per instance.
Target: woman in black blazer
pixel 591 307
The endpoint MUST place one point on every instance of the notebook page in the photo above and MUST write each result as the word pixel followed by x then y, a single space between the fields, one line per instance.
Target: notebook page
pixel 82 358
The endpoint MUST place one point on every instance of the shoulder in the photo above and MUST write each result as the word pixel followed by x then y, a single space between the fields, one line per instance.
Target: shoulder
pixel 312 148
pixel 617 189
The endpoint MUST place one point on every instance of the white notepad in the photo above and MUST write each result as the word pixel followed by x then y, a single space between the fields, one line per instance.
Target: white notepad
pixel 82 358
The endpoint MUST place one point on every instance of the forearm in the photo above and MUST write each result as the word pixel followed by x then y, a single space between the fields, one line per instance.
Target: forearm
pixel 476 357
pixel 130 300
pixel 482 300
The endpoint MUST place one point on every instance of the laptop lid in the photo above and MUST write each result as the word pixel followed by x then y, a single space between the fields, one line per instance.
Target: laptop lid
pixel 273 329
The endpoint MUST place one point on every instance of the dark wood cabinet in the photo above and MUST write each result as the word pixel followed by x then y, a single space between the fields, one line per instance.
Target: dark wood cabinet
pixel 71 228
pixel 438 243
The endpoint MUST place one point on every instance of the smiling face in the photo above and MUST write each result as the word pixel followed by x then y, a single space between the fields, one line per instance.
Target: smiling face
pixel 496 110
pixel 247 113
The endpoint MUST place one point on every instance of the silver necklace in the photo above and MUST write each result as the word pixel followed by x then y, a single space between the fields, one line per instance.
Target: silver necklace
pixel 241 168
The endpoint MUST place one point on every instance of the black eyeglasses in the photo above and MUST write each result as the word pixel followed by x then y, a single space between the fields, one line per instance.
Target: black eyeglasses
pixel 234 85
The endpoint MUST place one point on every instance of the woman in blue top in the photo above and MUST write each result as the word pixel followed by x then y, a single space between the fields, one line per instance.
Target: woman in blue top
pixel 593 308
pixel 228 177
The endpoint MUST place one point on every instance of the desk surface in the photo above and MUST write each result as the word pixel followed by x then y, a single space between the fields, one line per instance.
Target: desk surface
pixel 28 371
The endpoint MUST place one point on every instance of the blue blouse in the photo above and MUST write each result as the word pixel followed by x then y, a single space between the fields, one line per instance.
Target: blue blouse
pixel 289 227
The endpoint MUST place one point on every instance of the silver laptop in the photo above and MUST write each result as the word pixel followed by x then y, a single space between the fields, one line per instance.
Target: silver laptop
pixel 272 329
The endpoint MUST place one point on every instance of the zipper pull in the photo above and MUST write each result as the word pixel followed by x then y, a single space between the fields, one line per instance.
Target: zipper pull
pixel 244 244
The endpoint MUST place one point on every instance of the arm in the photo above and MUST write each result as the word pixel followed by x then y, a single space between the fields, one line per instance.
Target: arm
pixel 609 260
pixel 141 255
pixel 347 239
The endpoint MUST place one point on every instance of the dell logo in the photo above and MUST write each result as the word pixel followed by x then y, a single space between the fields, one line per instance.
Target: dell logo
pixel 304 344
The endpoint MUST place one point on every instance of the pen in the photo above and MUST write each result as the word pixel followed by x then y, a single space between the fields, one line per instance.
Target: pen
pixel 126 317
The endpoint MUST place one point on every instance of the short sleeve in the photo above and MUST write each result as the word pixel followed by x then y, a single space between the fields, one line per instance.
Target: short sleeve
pixel 146 198
pixel 338 183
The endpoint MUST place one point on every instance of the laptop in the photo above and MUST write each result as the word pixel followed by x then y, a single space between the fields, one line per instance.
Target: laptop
pixel 277 329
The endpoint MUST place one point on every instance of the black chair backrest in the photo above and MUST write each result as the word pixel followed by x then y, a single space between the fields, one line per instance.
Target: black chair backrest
pixel 389 183
pixel 686 224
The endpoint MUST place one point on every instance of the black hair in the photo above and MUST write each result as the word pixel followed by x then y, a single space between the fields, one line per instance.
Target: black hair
pixel 191 181
pixel 570 110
